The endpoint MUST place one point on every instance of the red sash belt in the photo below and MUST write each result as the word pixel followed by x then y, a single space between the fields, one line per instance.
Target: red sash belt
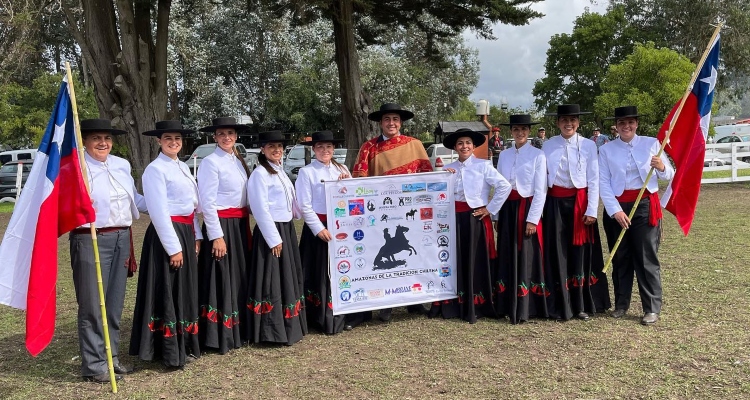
pixel 322 217
pixel 183 219
pixel 525 202
pixel 654 212
pixel 462 206
pixel 240 212
pixel 582 233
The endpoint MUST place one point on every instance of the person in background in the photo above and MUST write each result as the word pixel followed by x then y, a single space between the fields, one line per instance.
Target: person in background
pixel 623 166
pixel 572 248
pixel 473 180
pixel 311 198
pixel 117 204
pixel 522 287
pixel 598 138
pixel 165 319
pixel 222 292
pixel 541 137
pixel 276 290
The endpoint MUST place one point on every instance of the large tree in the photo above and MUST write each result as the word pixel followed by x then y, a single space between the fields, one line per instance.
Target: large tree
pixel 366 22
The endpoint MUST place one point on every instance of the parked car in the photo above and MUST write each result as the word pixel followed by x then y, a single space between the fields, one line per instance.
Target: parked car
pixel 437 150
pixel 17 155
pixel 295 160
pixel 204 150
pixel 9 174
pixel 735 139
pixel 713 159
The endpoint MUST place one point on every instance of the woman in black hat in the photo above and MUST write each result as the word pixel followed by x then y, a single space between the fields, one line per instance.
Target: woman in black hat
pixel 313 247
pixel 473 179
pixel 165 321
pixel 521 286
pixel 276 289
pixel 222 178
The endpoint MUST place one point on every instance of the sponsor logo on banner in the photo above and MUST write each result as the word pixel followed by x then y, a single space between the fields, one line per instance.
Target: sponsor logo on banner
pixel 356 222
pixel 437 186
pixel 387 201
pixel 339 212
pixel 370 206
pixel 423 199
pixel 443 241
pixel 343 252
pixel 341 236
pixel 359 295
pixel 395 274
pixel 390 190
pixel 427 241
pixel 385 218
pixel 343 190
pixel 442 198
pixel 375 293
pixel 416 288
pixel 414 187
pixel 372 220
pixel 363 191
pixel 427 226
pixel 410 214
pixel 343 267
pixel 356 207
pixel 441 213
pixel 358 235
pixel 360 263
pixel 359 249
pixel 433 290
pixel 425 213
pixel 345 282
pixel 445 271
pixel 404 201
pixel 442 228
pixel 345 296
pixel 397 290
pixel 443 255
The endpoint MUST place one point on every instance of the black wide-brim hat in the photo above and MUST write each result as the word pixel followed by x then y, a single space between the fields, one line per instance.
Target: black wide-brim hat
pixel 520 119
pixel 390 108
pixel 626 112
pixel 224 122
pixel 99 125
pixel 322 137
pixel 477 138
pixel 568 109
pixel 271 137
pixel 169 126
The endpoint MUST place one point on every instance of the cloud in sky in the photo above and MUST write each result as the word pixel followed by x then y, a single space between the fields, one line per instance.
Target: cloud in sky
pixel 510 65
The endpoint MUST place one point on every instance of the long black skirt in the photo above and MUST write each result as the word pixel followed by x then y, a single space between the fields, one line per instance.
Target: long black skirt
pixel 473 274
pixel 223 287
pixel 318 301
pixel 276 290
pixel 165 321
pixel 578 283
pixel 521 289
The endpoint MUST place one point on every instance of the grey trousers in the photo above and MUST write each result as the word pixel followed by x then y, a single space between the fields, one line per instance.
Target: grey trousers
pixel 114 250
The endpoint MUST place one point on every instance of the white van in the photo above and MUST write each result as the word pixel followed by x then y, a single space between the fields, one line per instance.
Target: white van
pixel 16 155
pixel 728 130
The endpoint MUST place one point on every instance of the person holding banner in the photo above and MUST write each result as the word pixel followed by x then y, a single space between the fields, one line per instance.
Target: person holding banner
pixel 165 320
pixel 311 198
pixel 624 164
pixel 391 153
pixel 521 285
pixel 117 204
pixel 222 291
pixel 473 178
pixel 276 289
pixel 572 248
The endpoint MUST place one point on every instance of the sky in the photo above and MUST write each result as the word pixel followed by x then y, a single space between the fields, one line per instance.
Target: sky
pixel 510 65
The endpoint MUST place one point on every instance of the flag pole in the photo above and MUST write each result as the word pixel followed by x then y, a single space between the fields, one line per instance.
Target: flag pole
pixel 94 241
pixel 666 140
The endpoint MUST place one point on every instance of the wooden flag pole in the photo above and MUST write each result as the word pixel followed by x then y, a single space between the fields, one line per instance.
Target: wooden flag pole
pixel 94 241
pixel 666 140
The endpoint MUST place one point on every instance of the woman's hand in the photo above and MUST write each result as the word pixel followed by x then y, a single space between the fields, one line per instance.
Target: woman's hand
pixel 622 219
pixel 276 250
pixel 588 220
pixel 481 212
pixel 325 235
pixel 175 261
pixel 197 247
pixel 657 163
pixel 219 249
pixel 451 170
pixel 530 229
pixel 344 175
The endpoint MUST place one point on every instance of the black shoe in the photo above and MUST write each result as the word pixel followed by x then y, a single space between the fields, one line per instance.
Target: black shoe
pixel 101 378
pixel 385 314
pixel 619 313
pixel 583 316
pixel 123 369
pixel 348 327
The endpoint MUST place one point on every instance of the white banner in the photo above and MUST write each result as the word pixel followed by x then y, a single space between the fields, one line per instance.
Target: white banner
pixel 393 241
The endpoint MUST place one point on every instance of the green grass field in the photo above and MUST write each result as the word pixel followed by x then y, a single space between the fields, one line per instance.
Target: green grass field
pixel 700 348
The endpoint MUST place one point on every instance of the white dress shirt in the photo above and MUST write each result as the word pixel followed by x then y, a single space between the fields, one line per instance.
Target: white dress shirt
pixel 526 170
pixel 272 199
pixel 311 192
pixel 170 190
pixel 473 180
pixel 574 163
pixel 115 199
pixel 624 166
pixel 221 185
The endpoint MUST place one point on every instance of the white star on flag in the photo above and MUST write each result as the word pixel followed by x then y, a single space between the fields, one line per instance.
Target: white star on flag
pixel 711 80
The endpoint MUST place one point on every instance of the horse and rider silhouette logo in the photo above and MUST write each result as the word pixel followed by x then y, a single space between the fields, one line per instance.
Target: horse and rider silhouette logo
pixel 386 258
pixel 410 213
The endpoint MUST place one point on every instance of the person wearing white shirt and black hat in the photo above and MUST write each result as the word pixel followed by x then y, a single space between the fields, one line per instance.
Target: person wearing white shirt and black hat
pixel 276 291
pixel 521 286
pixel 473 179
pixel 624 164
pixel 165 320
pixel 222 292
pixel 311 198
pixel 572 248
pixel 117 205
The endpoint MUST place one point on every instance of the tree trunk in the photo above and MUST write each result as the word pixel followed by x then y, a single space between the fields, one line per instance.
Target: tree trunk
pixel 355 103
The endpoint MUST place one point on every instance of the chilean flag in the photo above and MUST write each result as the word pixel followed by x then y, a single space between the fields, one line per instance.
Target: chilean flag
pixel 687 143
pixel 53 202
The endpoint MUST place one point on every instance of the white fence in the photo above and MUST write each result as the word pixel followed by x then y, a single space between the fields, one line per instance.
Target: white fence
pixel 731 157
